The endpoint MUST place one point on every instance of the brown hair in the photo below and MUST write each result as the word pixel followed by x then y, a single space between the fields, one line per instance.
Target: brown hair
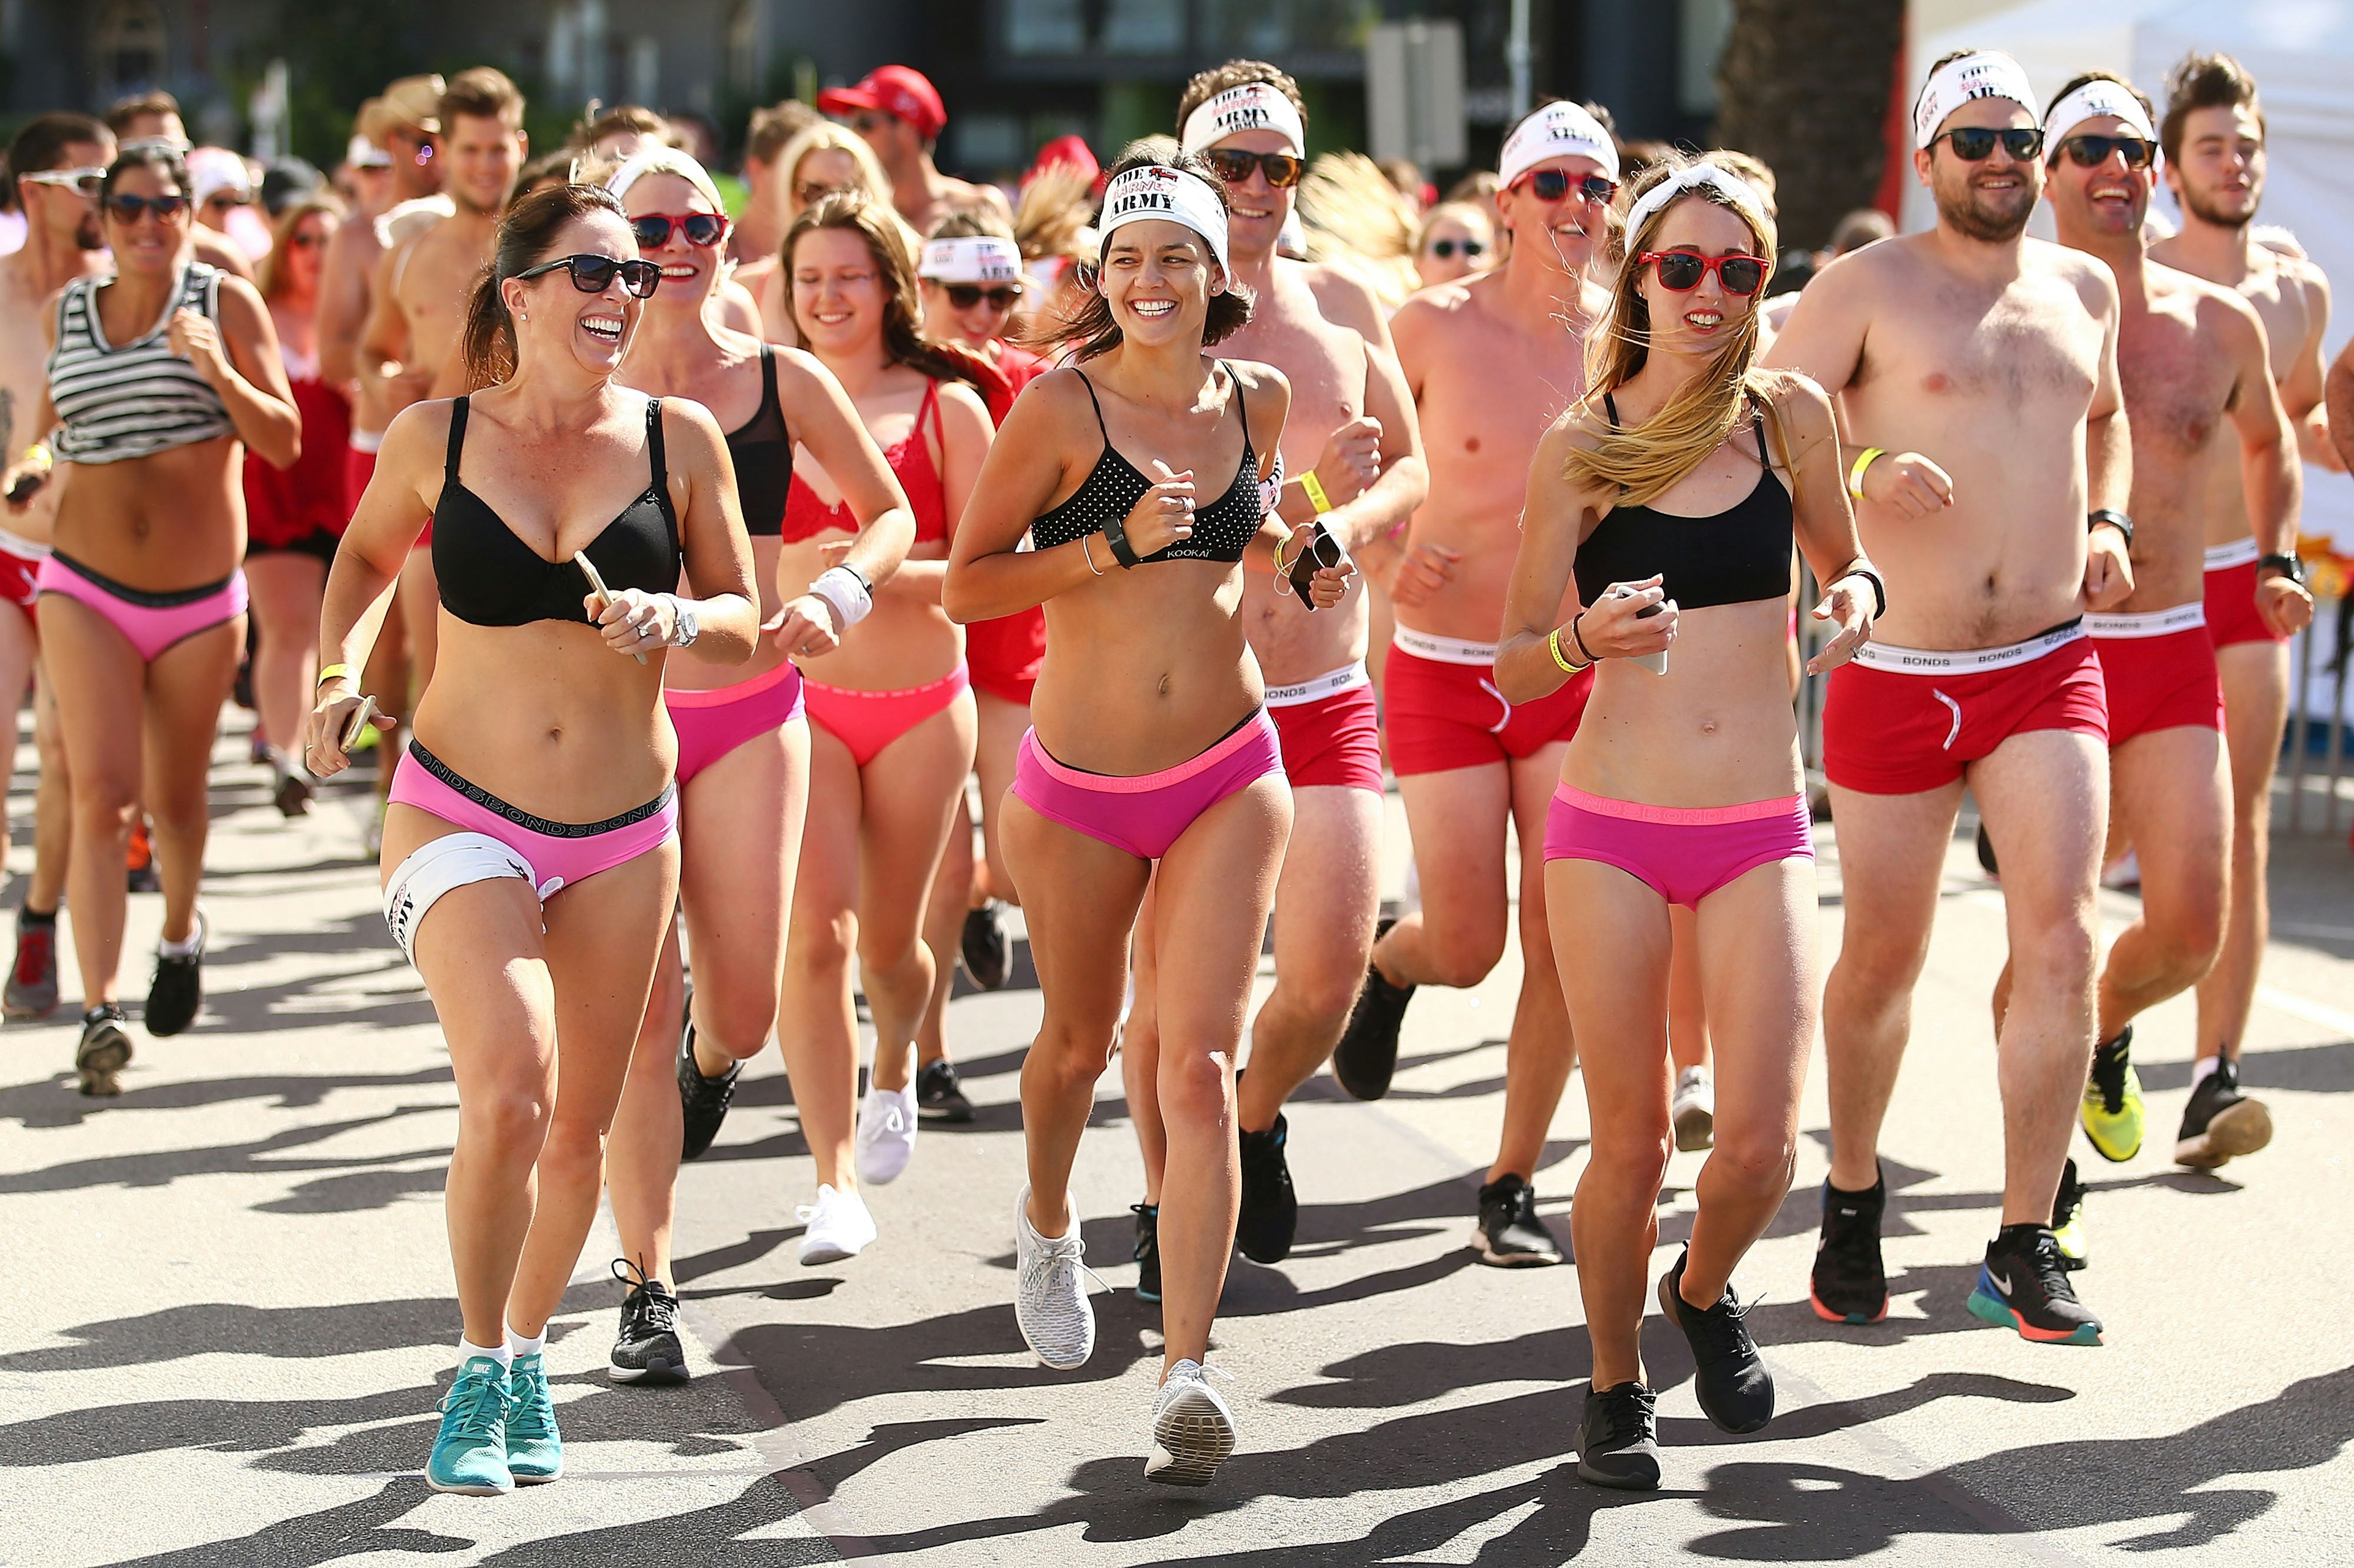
pixel 40 143
pixel 970 223
pixel 2205 82
pixel 124 111
pixel 484 93
pixel 147 155
pixel 273 279
pixel 895 266
pixel 557 168
pixel 772 127
pixel 595 124
pixel 526 234
pixel 1091 331
pixel 1206 85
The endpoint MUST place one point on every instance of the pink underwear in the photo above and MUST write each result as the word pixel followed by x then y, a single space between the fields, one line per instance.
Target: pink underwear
pixel 711 724
pixel 150 622
pixel 559 854
pixel 866 722
pixel 1146 813
pixel 1683 853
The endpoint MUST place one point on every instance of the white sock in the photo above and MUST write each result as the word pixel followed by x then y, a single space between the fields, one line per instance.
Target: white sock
pixel 185 947
pixel 2203 1069
pixel 522 1345
pixel 468 1350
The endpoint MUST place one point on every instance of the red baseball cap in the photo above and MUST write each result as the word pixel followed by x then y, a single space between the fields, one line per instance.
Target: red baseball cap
pixel 898 91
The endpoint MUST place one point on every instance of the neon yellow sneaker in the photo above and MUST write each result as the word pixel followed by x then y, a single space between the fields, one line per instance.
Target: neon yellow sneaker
pixel 2068 1221
pixel 2112 1108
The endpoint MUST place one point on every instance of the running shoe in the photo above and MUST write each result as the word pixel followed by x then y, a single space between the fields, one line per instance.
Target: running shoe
pixel 1508 1234
pixel 702 1101
pixel 647 1349
pixel 470 1452
pixel 1368 1051
pixel 838 1227
pixel 104 1051
pixel 1693 1112
pixel 1850 1284
pixel 292 795
pixel 1618 1438
pixel 1050 1292
pixel 535 1448
pixel 1269 1215
pixel 2068 1220
pixel 1192 1430
pixel 1735 1390
pixel 32 990
pixel 983 948
pixel 139 861
pixel 177 991
pixel 2219 1121
pixel 939 1096
pixel 886 1133
pixel 2112 1110
pixel 2023 1285
pixel 1148 1251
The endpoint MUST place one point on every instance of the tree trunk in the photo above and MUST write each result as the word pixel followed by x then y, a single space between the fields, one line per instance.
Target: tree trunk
pixel 1804 85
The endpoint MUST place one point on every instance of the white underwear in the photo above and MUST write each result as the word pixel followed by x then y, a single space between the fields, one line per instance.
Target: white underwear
pixel 443 865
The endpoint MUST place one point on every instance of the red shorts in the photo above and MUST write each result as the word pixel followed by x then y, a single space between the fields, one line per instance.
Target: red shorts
pixel 2232 597
pixel 1330 730
pixel 2159 669
pixel 16 573
pixel 1445 713
pixel 1899 721
pixel 1006 654
pixel 360 469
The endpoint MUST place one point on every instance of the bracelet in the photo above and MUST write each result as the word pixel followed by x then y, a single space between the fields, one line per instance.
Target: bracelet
pixel 1578 637
pixel 333 673
pixel 2114 518
pixel 1879 589
pixel 1855 472
pixel 39 452
pixel 1314 488
pixel 845 593
pixel 1089 555
pixel 1115 532
pixel 1553 642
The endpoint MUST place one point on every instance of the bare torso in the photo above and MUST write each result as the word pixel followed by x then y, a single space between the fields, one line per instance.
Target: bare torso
pixel 353 252
pixel 431 278
pixel 2179 383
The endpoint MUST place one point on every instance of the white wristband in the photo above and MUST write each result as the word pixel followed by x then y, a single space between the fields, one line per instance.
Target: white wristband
pixel 846 593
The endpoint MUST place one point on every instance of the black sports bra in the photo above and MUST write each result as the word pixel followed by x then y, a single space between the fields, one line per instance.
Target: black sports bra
pixel 1734 557
pixel 1222 529
pixel 763 454
pixel 491 577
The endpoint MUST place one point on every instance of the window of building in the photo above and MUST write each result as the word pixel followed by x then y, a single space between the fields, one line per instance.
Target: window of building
pixel 1702 25
pixel 1045 27
pixel 129 47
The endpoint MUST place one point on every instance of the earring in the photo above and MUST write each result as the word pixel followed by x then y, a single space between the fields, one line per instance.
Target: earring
pixel 523 315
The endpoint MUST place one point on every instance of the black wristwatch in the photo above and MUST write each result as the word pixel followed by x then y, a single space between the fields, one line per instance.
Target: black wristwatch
pixel 1115 532
pixel 2114 518
pixel 2289 567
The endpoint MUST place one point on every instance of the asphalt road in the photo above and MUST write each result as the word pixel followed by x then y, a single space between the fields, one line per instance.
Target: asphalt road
pixel 231 1309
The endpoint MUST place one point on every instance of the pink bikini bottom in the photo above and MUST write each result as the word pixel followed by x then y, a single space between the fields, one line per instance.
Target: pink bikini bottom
pixel 866 722
pixel 559 854
pixel 1146 813
pixel 711 724
pixel 1683 853
pixel 150 622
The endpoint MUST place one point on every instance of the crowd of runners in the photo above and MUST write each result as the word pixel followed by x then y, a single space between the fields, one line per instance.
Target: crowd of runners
pixel 708 557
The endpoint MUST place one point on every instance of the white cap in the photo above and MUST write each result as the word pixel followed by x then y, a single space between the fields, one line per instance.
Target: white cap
pixel 363 153
pixel 1556 131
pixel 1174 196
pixel 212 170
pixel 2093 101
pixel 1254 106
pixel 970 259
pixel 1987 73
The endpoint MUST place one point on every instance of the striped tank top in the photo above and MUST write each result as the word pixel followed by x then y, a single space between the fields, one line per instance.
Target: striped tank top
pixel 116 404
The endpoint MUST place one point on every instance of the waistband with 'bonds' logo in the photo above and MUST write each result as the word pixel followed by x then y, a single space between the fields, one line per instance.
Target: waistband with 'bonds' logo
pixel 1967 661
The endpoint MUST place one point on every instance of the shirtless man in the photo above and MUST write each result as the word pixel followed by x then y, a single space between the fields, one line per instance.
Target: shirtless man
pixel 2213 134
pixel 899 112
pixel 2199 396
pixel 58 159
pixel 156 117
pixel 1996 354
pixel 1492 360
pixel 1351 441
pixel 759 229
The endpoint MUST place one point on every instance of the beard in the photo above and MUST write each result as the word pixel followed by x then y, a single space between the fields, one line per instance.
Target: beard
pixel 1987 220
pixel 88 235
pixel 2201 207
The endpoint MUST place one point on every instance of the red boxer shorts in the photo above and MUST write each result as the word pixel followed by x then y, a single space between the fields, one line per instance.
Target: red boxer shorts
pixel 2159 669
pixel 16 575
pixel 2231 596
pixel 1006 654
pixel 1900 721
pixel 1330 730
pixel 1443 710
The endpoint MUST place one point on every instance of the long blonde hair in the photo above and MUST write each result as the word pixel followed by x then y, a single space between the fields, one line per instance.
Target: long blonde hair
pixel 826 135
pixel 1639 465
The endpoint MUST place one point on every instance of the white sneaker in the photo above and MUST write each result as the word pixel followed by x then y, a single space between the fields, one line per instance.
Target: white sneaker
pixel 1693 1111
pixel 1050 1292
pixel 839 1226
pixel 1192 1430
pixel 887 1133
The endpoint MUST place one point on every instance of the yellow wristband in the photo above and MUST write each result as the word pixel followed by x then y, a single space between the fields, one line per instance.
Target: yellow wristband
pixel 1864 460
pixel 334 672
pixel 39 452
pixel 1315 489
pixel 1560 658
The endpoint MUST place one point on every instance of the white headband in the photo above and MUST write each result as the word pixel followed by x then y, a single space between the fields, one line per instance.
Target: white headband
pixel 1691 177
pixel 665 161
pixel 1556 131
pixel 1989 73
pixel 972 259
pixel 2091 101
pixel 1254 106
pixel 1156 190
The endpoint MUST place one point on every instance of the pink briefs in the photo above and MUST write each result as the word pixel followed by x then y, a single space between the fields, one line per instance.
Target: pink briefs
pixel 150 622
pixel 1683 853
pixel 1146 813
pixel 866 722
pixel 559 854
pixel 711 724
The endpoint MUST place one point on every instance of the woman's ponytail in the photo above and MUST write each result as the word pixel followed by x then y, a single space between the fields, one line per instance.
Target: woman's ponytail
pixel 528 235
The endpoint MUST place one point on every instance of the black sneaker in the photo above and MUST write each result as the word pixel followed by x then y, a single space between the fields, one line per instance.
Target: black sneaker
pixel 1368 1051
pixel 2219 1121
pixel 104 1052
pixel 983 948
pixel 2023 1285
pixel 2068 1220
pixel 1986 854
pixel 1618 1438
pixel 1148 1250
pixel 938 1096
pixel 1849 1285
pixel 32 989
pixel 1735 1390
pixel 703 1100
pixel 1269 1217
pixel 647 1349
pixel 177 991
pixel 1509 1234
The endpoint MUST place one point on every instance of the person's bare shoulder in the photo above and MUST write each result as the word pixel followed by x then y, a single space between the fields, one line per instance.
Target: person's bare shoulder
pixel 1431 310
pixel 1345 298
pixel 1803 406
pixel 2086 275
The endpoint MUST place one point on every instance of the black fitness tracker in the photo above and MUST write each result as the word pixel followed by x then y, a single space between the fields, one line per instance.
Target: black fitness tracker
pixel 1115 532
pixel 2289 567
pixel 2114 518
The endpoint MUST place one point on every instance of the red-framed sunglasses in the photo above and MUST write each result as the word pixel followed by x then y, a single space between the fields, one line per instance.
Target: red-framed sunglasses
pixel 1679 272
pixel 654 229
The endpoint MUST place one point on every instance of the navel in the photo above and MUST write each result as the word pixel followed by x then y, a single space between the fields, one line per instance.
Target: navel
pixel 1164 686
pixel 1470 443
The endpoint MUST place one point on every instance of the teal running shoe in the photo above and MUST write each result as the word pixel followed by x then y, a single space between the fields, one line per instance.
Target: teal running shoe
pixel 469 1453
pixel 535 1448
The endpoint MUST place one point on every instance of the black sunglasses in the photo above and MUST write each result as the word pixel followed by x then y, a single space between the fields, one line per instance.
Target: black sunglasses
pixel 703 229
pixel 131 209
pixel 1682 271
pixel 1445 249
pixel 594 274
pixel 1233 166
pixel 2090 152
pixel 1552 185
pixel 1974 143
pixel 964 296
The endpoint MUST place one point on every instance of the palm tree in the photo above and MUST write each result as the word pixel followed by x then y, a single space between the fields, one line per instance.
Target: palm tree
pixel 1804 85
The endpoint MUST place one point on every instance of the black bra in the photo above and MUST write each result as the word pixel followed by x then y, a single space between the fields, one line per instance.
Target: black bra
pixel 1222 529
pixel 491 577
pixel 762 451
pixel 1734 557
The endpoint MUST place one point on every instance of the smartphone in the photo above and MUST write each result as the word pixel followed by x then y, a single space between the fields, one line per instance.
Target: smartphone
pixel 1321 553
pixel 596 585
pixel 362 717
pixel 1657 663
pixel 25 487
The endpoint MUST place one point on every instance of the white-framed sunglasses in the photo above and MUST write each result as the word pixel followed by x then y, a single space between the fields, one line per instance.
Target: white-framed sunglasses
pixel 81 182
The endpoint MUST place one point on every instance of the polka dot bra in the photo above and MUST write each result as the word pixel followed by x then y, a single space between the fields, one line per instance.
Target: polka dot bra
pixel 1221 528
